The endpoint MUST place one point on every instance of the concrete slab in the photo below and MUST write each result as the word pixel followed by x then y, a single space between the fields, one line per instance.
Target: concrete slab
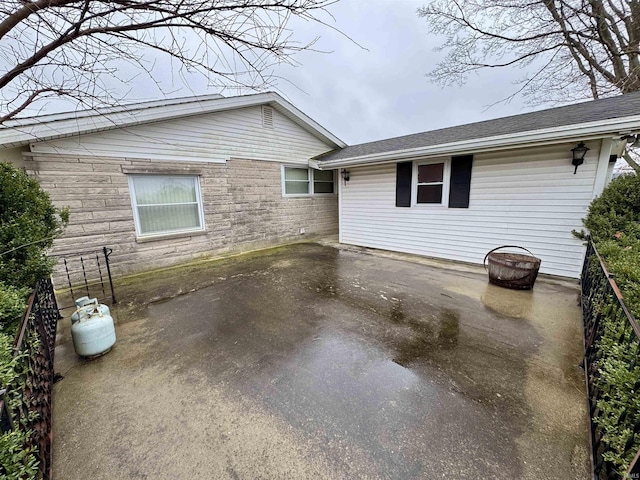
pixel 311 361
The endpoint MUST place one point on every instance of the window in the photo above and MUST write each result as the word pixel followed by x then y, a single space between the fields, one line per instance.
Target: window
pixel 307 181
pixel 322 181
pixel 431 184
pixel 166 204
pixel 296 181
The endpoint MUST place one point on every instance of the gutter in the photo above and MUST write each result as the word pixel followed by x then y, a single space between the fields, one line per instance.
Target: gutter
pixel 569 133
pixel 20 133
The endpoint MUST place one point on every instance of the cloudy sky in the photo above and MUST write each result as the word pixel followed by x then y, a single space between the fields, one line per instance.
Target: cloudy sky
pixel 372 87
pixel 363 95
pixel 362 90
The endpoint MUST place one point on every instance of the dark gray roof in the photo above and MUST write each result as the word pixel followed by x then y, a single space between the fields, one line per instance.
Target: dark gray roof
pixel 596 110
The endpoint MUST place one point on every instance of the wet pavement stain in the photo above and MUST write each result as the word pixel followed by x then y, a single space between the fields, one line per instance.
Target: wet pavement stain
pixel 363 367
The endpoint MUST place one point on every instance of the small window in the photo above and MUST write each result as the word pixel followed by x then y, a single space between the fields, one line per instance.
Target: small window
pixel 322 181
pixel 306 181
pixel 430 183
pixel 296 181
pixel 165 204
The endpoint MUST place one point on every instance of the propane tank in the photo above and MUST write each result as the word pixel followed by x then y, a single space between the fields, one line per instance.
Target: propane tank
pixel 92 328
pixel 86 305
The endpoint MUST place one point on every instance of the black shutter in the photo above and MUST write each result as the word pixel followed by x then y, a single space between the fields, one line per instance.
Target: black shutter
pixel 403 184
pixel 460 185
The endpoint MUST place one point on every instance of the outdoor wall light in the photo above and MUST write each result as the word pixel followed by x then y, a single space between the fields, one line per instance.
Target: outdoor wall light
pixel 578 155
pixel 345 175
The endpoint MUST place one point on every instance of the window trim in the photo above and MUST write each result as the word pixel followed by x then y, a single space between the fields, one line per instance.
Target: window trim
pixel 446 181
pixel 311 193
pixel 171 233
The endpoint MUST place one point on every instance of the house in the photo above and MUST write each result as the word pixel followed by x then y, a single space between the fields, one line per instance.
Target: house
pixel 457 193
pixel 168 181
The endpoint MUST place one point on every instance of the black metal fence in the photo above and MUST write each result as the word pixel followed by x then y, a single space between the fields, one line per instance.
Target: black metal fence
pixel 34 348
pixel 85 273
pixel 601 300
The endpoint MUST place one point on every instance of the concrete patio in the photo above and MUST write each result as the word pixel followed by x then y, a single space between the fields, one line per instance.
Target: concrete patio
pixel 311 361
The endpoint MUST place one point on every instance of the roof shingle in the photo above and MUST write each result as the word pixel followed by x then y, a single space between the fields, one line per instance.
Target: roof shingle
pixel 596 110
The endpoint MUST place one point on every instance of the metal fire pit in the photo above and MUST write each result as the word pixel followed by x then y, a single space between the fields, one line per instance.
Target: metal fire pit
pixel 512 270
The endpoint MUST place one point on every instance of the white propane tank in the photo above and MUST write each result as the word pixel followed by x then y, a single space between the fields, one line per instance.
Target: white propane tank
pixel 85 305
pixel 92 328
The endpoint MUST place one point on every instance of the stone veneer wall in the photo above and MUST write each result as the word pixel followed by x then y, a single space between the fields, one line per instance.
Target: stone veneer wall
pixel 243 209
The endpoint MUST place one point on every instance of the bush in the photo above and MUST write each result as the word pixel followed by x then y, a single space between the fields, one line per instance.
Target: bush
pixel 613 221
pixel 12 304
pixel 617 210
pixel 28 225
pixel 16 461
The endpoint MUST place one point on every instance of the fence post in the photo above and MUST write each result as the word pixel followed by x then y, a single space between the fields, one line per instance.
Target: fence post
pixel 107 252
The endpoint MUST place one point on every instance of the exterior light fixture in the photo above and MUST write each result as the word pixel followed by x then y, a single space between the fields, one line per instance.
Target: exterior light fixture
pixel 345 175
pixel 578 155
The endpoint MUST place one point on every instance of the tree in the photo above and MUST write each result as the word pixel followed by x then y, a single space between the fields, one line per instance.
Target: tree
pixel 74 48
pixel 28 225
pixel 571 49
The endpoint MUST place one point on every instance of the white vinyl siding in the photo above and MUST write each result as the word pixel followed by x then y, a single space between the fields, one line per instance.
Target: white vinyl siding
pixel 166 204
pixel 527 197
pixel 214 137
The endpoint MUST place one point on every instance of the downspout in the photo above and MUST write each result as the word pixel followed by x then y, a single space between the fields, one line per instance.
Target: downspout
pixel 603 165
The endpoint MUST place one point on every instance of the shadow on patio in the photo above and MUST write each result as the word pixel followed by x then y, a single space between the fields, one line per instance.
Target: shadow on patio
pixel 309 361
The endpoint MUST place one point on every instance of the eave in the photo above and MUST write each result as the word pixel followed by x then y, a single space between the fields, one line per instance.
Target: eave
pixel 20 132
pixel 568 133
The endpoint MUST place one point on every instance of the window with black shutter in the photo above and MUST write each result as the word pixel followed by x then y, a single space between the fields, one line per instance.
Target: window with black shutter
pixel 439 182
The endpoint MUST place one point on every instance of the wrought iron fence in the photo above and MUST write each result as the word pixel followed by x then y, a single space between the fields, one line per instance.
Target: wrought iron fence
pixel 34 348
pixel 85 273
pixel 601 300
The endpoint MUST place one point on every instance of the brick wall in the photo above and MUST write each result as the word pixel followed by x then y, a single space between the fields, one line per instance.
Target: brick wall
pixel 243 209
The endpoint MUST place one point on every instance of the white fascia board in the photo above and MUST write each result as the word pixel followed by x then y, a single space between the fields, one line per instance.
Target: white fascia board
pixel 36 130
pixel 579 132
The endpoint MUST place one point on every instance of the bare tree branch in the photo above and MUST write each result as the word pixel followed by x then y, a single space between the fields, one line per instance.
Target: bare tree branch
pixel 595 44
pixel 76 48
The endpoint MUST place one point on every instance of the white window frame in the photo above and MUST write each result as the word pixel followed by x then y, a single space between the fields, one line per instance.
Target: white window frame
pixel 446 179
pixel 170 233
pixel 311 180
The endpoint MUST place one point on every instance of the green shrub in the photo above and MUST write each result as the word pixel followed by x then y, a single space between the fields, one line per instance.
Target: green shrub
pixel 613 221
pixel 12 305
pixel 16 461
pixel 617 209
pixel 28 225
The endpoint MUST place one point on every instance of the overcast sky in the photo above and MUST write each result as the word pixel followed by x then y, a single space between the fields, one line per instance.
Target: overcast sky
pixel 378 91
pixel 369 93
pixel 363 95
